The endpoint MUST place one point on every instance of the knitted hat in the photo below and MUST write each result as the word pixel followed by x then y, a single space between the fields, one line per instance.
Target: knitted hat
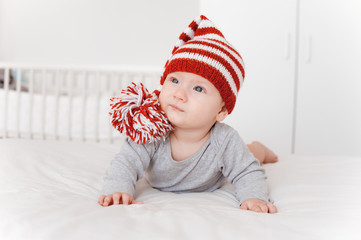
pixel 203 50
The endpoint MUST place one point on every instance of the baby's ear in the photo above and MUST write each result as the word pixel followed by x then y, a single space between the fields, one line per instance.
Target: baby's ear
pixel 222 114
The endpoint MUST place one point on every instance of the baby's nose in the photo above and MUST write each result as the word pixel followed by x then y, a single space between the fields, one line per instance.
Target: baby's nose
pixel 180 94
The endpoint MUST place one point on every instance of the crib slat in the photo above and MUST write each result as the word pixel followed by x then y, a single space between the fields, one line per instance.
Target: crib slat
pixel 71 79
pixel 57 89
pixel 119 82
pixel 97 99
pixel 6 93
pixel 18 105
pixel 31 101
pixel 43 107
pixel 84 89
pixel 125 80
pixel 112 89
pixel 155 81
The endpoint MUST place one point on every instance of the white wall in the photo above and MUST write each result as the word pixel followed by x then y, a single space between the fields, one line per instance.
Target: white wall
pixel 87 32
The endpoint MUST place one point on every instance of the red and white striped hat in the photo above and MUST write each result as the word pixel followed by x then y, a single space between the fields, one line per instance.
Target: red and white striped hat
pixel 203 50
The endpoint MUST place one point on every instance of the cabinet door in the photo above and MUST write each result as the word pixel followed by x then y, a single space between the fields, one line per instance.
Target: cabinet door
pixel 329 79
pixel 263 32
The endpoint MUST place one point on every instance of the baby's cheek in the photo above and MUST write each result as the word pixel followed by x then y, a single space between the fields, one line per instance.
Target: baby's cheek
pixel 161 100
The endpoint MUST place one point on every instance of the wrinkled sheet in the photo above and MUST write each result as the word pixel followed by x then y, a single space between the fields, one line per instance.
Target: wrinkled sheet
pixel 49 190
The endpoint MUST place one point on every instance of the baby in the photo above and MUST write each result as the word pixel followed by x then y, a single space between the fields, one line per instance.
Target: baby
pixel 199 88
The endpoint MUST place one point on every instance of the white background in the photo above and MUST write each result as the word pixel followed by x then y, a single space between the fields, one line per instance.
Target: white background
pixel 92 32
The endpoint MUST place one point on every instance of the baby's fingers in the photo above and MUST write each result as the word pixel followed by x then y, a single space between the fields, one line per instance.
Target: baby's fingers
pixel 244 206
pixel 108 200
pixel 116 198
pixel 264 208
pixel 271 208
pixel 137 202
pixel 256 208
pixel 101 199
pixel 126 199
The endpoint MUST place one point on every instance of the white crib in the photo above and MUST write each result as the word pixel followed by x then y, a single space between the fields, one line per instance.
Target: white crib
pixel 64 102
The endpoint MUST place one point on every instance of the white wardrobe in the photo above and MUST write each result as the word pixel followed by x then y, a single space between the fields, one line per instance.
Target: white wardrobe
pixel 302 92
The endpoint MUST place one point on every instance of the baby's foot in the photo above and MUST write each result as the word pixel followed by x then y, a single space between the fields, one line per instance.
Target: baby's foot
pixel 270 156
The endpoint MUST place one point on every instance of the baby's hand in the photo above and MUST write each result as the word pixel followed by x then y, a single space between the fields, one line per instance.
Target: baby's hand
pixel 258 205
pixel 117 198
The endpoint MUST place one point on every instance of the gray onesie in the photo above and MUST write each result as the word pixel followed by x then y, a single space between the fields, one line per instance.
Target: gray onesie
pixel 224 155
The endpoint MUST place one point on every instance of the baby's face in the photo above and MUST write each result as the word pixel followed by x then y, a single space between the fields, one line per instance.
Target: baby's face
pixel 191 101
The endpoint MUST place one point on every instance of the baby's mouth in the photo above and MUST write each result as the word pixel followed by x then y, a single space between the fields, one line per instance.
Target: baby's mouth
pixel 176 108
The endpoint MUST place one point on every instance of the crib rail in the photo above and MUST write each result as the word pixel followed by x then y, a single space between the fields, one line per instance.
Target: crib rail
pixel 64 102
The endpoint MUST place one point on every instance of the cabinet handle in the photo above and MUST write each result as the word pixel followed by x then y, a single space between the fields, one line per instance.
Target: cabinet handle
pixel 309 55
pixel 288 46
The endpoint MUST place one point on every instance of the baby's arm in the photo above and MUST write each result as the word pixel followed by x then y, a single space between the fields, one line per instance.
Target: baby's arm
pixel 124 171
pixel 243 170
pixel 258 205
pixel 117 198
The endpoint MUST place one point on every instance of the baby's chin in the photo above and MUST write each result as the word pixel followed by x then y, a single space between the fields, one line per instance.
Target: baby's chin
pixel 176 121
pixel 172 119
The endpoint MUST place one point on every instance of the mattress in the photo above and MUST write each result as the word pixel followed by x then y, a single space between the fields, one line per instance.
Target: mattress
pixel 49 190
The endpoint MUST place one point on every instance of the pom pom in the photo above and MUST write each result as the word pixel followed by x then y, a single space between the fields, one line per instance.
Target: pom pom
pixel 138 114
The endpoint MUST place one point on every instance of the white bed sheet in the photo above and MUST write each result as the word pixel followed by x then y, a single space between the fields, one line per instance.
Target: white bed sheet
pixel 49 190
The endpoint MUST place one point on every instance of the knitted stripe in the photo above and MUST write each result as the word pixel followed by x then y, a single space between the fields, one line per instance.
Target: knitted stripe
pixel 226 44
pixel 222 52
pixel 209 30
pixel 229 49
pixel 212 36
pixel 212 59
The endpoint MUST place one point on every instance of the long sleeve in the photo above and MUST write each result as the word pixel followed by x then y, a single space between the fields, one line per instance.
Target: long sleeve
pixel 127 168
pixel 242 169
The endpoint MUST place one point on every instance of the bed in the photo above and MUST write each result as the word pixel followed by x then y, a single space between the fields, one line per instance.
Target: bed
pixel 51 176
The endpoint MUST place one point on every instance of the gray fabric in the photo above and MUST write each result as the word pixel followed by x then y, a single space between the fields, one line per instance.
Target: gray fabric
pixel 224 156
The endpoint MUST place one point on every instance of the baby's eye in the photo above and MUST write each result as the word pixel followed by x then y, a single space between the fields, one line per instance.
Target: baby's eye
pixel 198 89
pixel 174 80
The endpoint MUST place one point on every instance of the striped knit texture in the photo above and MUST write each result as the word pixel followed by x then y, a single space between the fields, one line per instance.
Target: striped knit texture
pixel 203 50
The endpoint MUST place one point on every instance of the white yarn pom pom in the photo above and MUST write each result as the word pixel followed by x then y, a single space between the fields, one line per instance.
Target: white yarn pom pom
pixel 138 114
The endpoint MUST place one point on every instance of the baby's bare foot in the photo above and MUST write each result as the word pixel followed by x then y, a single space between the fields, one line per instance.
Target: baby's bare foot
pixel 270 156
